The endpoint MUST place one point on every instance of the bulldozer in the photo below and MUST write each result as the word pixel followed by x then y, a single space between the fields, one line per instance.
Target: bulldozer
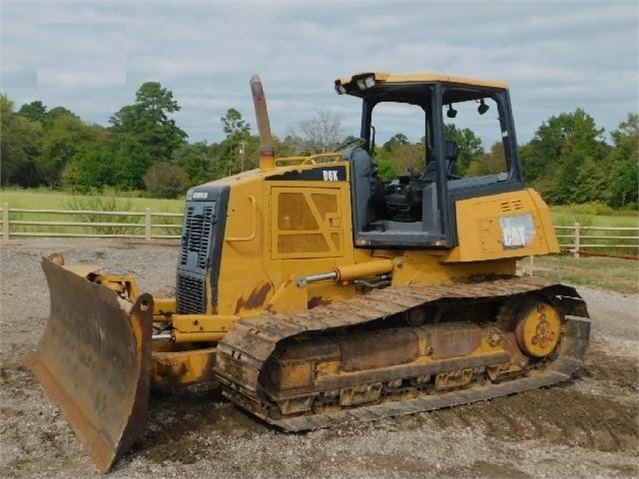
pixel 314 293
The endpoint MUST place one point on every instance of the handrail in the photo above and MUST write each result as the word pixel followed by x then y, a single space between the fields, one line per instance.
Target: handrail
pixel 311 159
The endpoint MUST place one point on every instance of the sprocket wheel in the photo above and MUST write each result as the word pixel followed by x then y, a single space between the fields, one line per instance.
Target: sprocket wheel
pixel 535 322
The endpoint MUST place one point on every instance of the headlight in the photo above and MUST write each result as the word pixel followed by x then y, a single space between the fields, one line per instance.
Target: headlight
pixel 366 82
pixel 369 82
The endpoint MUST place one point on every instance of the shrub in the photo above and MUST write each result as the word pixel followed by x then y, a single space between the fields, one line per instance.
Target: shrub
pixel 98 203
pixel 595 208
pixel 165 180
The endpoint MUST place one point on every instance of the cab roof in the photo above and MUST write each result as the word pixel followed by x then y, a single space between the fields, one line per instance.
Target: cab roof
pixel 417 78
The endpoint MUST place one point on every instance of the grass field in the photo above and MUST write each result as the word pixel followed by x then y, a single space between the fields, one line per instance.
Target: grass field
pixel 592 216
pixel 43 199
pixel 109 202
pixel 612 274
pixel 561 218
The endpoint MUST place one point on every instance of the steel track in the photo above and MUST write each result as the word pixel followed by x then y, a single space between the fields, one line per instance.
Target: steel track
pixel 246 348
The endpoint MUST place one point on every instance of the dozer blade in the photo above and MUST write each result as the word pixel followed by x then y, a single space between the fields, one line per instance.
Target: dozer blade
pixel 94 362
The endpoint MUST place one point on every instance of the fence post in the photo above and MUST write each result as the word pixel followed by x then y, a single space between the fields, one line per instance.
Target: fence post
pixel 5 221
pixel 575 249
pixel 531 265
pixel 147 223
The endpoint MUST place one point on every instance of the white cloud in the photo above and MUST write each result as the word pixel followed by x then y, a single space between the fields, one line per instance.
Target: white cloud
pixel 81 55
pixel 92 57
pixel 56 78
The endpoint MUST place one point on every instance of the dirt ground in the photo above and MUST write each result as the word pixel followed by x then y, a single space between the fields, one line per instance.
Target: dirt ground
pixel 586 427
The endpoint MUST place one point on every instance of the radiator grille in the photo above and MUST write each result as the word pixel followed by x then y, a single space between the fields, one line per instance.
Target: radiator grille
pixel 190 295
pixel 196 235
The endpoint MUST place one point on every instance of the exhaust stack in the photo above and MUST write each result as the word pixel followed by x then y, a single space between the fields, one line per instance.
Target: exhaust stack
pixel 267 148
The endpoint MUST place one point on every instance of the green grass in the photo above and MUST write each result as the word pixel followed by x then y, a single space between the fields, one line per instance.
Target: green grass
pixel 593 214
pixel 45 199
pixel 110 201
pixel 612 274
pixel 614 242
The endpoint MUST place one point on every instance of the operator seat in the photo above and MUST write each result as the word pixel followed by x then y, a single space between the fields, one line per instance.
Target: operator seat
pixel 363 172
pixel 451 154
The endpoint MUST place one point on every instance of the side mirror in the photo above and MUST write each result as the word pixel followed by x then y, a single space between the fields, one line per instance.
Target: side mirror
pixel 451 113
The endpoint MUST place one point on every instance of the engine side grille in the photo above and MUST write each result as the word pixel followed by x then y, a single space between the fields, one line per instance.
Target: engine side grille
pixel 205 237
pixel 193 262
pixel 190 294
pixel 196 235
pixel 187 231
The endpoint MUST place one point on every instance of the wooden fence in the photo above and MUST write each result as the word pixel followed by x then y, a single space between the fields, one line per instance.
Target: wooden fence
pixel 146 225
pixel 599 240
pixel 149 225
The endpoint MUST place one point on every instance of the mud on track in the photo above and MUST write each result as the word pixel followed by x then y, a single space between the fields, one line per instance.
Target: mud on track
pixel 586 427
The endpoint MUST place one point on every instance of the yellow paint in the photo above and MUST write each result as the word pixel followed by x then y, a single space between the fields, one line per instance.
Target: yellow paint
pixel 122 284
pixel 280 230
pixel 163 307
pixel 384 77
pixel 364 270
pixel 481 236
pixel 201 327
pixel 538 330
pixel 179 368
pixel 294 373
pixel 301 228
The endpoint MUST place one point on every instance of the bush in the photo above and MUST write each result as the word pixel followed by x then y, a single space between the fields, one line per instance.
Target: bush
pixel 596 208
pixel 165 180
pixel 97 202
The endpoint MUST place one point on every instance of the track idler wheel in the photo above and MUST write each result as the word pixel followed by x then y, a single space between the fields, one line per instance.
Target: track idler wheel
pixel 538 328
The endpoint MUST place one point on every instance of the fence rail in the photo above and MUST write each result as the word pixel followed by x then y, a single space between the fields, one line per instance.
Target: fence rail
pixel 148 225
pixel 613 240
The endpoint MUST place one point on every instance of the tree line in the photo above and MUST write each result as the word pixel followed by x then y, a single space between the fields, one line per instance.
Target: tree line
pixel 567 161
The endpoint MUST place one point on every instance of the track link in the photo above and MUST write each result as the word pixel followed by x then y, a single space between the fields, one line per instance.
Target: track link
pixel 246 348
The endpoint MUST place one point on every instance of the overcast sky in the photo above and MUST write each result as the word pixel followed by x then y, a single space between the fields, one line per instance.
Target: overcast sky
pixel 91 57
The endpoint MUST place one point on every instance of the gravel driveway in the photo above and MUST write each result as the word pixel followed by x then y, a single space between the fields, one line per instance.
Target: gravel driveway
pixel 586 427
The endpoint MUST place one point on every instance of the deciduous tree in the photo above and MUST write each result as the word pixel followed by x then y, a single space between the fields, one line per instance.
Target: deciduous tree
pixel 165 180
pixel 234 146
pixel 34 111
pixel 560 157
pixel 470 146
pixel 18 146
pixel 322 132
pixel 64 135
pixel 622 162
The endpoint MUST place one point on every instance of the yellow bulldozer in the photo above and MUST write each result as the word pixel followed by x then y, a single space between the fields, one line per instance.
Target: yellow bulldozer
pixel 313 293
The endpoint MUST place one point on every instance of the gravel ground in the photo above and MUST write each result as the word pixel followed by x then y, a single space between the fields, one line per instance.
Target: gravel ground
pixel 586 427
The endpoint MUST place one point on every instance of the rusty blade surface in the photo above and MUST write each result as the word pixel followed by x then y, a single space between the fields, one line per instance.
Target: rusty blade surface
pixel 94 362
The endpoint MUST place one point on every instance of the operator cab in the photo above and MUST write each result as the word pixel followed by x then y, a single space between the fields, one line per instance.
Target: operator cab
pixel 417 209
